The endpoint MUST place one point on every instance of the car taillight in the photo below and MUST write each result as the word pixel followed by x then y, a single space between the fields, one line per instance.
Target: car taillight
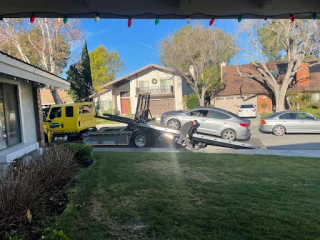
pixel 263 122
pixel 240 110
pixel 244 124
pixel 253 110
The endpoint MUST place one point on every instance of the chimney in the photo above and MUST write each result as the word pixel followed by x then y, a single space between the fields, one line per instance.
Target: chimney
pixel 303 75
pixel 222 65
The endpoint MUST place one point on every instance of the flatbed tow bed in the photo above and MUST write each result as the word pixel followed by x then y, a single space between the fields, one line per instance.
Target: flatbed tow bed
pixel 140 132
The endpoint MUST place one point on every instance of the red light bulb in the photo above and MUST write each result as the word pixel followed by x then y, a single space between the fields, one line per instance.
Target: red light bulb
pixel 291 18
pixel 32 18
pixel 211 21
pixel 129 22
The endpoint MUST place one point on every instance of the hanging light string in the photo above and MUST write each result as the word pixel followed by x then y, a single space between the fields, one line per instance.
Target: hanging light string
pixel 303 15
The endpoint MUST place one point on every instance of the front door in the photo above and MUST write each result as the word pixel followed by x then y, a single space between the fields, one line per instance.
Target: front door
pixel 125 103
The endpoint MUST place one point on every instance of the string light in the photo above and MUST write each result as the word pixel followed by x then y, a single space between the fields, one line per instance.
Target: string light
pixel 156 22
pixel 188 20
pixel 32 18
pixel 129 22
pixel 96 18
pixel 211 21
pixel 240 18
pixel 291 18
pixel 65 19
pixel 314 16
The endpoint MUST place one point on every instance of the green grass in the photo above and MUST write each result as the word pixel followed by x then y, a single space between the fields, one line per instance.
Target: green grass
pixel 194 196
pixel 102 121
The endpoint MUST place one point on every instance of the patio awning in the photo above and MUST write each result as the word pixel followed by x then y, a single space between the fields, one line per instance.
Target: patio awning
pixel 165 9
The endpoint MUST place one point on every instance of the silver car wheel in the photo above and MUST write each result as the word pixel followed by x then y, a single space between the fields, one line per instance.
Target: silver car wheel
pixel 229 134
pixel 279 130
pixel 174 124
pixel 140 140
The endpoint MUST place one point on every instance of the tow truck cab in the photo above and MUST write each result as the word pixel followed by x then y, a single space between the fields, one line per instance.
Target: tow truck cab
pixel 67 122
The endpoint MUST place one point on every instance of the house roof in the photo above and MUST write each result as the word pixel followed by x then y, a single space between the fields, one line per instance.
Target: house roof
pixel 165 9
pixel 9 65
pixel 126 77
pixel 47 99
pixel 237 85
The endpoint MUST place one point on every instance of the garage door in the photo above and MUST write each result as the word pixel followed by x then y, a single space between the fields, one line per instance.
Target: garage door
pixel 159 106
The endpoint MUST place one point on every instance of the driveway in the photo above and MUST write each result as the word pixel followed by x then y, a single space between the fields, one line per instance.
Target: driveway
pixel 285 142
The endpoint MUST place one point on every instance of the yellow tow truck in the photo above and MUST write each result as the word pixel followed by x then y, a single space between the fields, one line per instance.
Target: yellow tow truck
pixel 67 122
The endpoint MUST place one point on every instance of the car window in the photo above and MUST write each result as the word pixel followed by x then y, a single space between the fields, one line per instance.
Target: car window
pixel 199 113
pixel 69 111
pixel 85 109
pixel 218 115
pixel 55 112
pixel 247 106
pixel 288 116
pixel 305 116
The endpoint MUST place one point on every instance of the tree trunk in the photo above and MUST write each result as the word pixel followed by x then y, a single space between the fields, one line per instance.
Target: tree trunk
pixel 201 99
pixel 56 97
pixel 280 98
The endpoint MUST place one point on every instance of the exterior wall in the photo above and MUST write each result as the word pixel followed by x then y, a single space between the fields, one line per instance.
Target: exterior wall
pixel 231 103
pixel 29 123
pixel 264 99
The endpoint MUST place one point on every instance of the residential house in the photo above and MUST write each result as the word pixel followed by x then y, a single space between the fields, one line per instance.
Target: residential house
pixel 236 90
pixel 47 99
pixel 21 123
pixel 165 87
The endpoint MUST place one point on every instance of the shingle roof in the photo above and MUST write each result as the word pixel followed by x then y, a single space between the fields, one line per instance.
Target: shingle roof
pixel 237 85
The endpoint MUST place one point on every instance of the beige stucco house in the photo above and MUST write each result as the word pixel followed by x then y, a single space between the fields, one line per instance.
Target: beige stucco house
pixel 21 123
pixel 166 90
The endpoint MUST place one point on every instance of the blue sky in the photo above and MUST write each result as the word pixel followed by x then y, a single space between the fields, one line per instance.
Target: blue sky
pixel 137 45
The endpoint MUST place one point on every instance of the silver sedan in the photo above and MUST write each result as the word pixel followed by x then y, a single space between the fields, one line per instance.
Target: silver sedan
pixel 290 122
pixel 213 121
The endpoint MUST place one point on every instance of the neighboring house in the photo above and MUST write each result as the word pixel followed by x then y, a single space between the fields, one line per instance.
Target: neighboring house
pixel 47 99
pixel 236 90
pixel 21 123
pixel 166 91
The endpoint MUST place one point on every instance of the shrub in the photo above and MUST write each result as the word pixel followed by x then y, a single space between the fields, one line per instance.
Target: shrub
pixel 264 105
pixel 83 153
pixel 30 187
pixel 313 106
pixel 192 101
pixel 53 234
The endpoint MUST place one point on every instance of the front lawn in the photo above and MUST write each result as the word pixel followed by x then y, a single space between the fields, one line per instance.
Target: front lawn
pixel 194 196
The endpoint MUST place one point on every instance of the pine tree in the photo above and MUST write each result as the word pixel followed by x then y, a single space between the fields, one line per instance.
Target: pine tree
pixel 86 73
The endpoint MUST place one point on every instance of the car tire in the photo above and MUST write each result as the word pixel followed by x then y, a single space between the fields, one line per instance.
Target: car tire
pixel 229 134
pixel 174 124
pixel 279 130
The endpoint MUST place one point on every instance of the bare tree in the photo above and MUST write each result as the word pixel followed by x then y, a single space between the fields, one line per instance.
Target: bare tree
pixel 291 43
pixel 195 53
pixel 45 43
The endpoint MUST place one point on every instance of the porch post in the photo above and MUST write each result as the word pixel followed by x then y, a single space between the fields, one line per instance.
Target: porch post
pixel 38 116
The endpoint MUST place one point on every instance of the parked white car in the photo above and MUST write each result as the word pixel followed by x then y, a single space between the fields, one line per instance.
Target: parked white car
pixel 247 110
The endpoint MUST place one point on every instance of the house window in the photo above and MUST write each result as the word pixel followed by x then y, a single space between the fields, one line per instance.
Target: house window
pixel 9 116
pixel 144 86
pixel 315 97
pixel 165 86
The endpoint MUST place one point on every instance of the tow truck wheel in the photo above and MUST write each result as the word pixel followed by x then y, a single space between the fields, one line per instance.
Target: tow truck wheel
pixel 140 140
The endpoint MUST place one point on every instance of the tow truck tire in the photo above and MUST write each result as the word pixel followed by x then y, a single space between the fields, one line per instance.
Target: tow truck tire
pixel 140 139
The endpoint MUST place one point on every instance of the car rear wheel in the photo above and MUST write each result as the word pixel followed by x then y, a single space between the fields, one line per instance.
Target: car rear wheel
pixel 229 134
pixel 279 130
pixel 174 124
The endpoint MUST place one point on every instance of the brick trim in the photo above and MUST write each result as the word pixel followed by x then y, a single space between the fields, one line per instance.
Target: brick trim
pixel 38 116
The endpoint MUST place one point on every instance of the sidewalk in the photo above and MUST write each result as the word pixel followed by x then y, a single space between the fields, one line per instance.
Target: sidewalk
pixel 292 153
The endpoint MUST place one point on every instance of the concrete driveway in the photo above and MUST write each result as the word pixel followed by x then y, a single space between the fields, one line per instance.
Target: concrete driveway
pixel 269 141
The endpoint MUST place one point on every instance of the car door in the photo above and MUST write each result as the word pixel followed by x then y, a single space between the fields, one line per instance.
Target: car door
pixel 308 123
pixel 55 117
pixel 290 121
pixel 217 122
pixel 201 116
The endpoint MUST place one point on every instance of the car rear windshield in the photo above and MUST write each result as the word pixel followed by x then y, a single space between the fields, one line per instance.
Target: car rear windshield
pixel 247 106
